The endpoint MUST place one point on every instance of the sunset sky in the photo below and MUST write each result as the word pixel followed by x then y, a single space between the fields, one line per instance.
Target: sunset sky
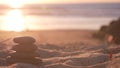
pixel 14 20
pixel 61 1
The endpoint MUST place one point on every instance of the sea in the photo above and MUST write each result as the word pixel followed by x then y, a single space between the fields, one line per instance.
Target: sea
pixel 61 16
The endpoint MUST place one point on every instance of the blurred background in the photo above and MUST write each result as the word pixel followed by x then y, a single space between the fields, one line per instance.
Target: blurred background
pixel 20 15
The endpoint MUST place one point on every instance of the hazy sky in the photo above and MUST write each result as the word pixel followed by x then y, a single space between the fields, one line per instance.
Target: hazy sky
pixel 62 1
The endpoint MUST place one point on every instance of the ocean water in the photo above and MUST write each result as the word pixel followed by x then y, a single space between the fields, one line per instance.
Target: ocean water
pixel 60 16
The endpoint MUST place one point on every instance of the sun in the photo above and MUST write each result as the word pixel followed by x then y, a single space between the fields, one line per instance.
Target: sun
pixel 16 3
pixel 14 21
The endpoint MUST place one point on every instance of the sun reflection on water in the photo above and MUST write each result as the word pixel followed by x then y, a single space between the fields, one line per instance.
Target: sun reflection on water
pixel 14 21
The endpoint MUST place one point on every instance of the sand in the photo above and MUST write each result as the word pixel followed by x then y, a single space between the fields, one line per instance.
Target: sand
pixel 64 49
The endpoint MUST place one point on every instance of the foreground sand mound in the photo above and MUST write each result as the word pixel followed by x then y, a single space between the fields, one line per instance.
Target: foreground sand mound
pixel 56 57
pixel 22 65
pixel 58 65
pixel 114 63
pixel 87 61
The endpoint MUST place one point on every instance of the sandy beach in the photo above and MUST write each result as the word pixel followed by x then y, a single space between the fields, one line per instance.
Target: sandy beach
pixel 64 49
pixel 53 36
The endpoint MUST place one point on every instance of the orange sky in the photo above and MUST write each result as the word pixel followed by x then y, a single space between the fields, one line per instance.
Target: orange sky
pixel 63 1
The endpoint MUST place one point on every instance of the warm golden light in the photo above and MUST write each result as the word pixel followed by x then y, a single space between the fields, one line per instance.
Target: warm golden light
pixel 15 3
pixel 14 21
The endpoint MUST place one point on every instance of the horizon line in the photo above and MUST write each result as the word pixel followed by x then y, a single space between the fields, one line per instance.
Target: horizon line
pixel 70 3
